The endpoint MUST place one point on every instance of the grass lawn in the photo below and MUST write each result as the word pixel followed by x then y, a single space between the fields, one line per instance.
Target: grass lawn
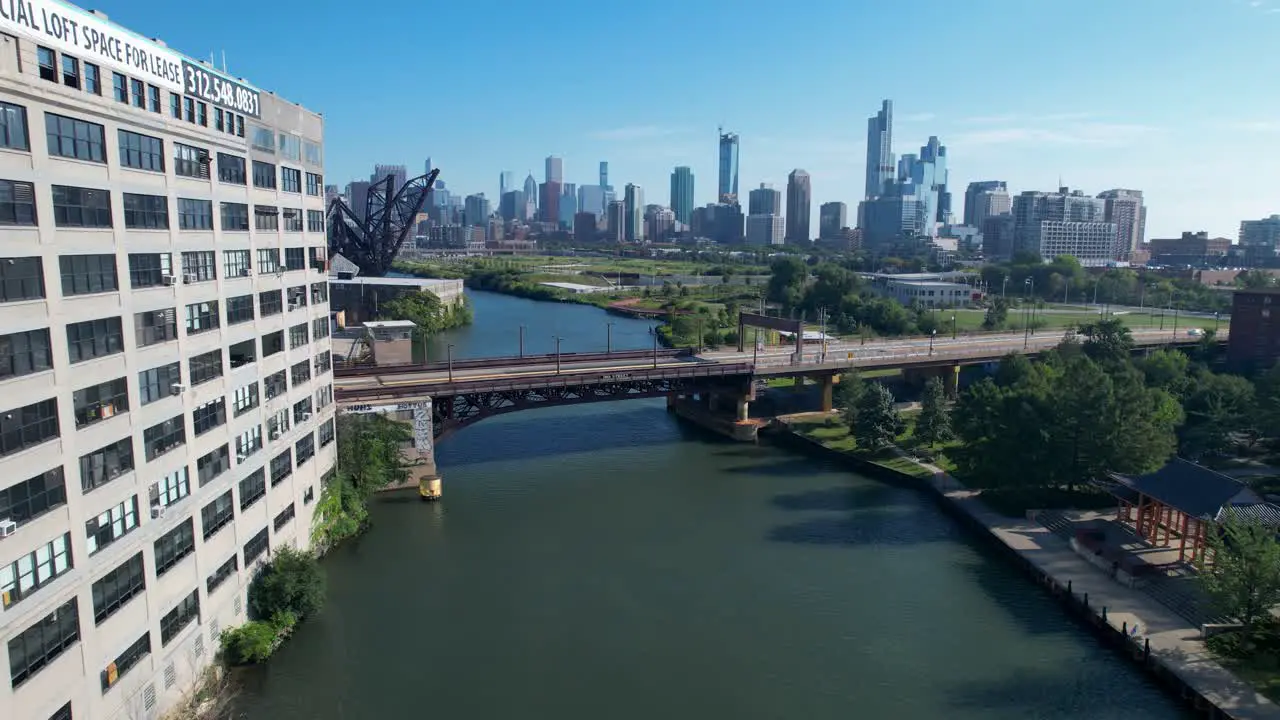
pixel 970 320
pixel 835 434
pixel 1258 666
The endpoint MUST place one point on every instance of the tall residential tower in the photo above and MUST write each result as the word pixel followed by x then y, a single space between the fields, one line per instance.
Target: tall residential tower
pixel 799 198
pixel 727 189
pixel 879 150
pixel 682 194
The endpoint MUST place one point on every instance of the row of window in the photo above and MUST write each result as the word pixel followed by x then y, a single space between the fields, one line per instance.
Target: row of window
pixel 77 207
pixel 77 139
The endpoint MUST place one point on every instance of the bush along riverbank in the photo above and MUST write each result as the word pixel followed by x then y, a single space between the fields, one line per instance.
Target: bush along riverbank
pixel 291 587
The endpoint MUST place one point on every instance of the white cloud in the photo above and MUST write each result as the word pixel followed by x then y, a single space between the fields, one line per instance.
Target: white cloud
pixel 635 132
pixel 1258 126
pixel 1085 133
pixel 917 117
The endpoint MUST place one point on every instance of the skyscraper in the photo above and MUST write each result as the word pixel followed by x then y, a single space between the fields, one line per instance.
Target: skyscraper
pixel 936 153
pixel 604 176
pixel 167 418
pixel 682 194
pixel 426 166
pixel 924 177
pixel 1125 209
pixel 879 149
pixel 476 209
pixel 634 201
pixel 555 169
pixel 358 196
pixel 765 229
pixel 616 221
pixel 832 217
pixel 591 199
pixel 568 204
pixel 799 198
pixel 971 193
pixel 764 200
pixel 531 189
pixel 399 173
pixel 1063 223
pixel 549 202
pixel 506 182
pixel 727 190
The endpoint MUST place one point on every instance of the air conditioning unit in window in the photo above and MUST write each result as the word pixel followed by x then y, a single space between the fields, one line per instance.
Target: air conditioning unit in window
pixel 177 388
pixel 188 277
pixel 166 279
pixel 275 434
pixel 157 512
pixel 245 272
pixel 306 416
pixel 241 458
pixel 7 528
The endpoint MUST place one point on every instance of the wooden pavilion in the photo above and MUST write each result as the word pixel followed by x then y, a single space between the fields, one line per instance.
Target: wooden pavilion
pixel 1183 501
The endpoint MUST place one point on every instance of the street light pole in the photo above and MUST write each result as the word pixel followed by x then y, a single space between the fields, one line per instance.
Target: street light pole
pixel 655 350
pixel 521 341
pixel 449 350
pixel 953 326
pixel 932 335
pixel 557 338
pixel 608 338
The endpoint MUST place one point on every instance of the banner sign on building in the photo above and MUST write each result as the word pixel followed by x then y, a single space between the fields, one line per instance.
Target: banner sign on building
pixel 211 87
pixel 91 39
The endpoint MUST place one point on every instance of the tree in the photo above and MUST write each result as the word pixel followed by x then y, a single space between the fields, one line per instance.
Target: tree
pixel 934 425
pixel 1218 406
pixel 1243 577
pixel 997 315
pixel 293 583
pixel 1166 369
pixel 1107 341
pixel 252 642
pixel 846 396
pixel 878 422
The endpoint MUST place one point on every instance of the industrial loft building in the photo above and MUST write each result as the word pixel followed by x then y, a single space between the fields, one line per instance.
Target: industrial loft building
pixel 166 406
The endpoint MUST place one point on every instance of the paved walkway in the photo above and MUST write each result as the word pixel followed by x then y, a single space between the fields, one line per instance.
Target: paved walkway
pixel 1173 642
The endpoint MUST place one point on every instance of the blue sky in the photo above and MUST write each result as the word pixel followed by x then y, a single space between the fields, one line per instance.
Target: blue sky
pixel 1174 97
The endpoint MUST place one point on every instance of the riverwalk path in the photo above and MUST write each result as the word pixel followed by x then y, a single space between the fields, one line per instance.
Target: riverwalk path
pixel 1174 643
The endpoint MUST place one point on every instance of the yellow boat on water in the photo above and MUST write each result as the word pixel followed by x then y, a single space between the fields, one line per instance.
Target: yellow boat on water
pixel 430 488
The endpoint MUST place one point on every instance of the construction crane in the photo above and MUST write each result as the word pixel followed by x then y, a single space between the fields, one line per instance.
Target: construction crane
pixel 372 241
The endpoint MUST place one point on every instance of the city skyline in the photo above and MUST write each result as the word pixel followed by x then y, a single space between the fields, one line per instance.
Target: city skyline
pixel 1188 158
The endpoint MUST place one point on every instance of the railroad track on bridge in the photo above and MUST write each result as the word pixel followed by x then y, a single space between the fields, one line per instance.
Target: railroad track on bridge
pixel 368 370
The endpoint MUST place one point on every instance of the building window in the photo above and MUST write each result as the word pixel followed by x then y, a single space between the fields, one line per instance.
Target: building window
pixel 120 87
pixel 305 448
pixel 150 270
pixel 195 214
pixel 106 464
pixel 199 266
pixel 141 152
pixel 231 169
pixel 88 274
pixel 81 207
pixel 202 317
pixel 243 353
pixel 239 125
pixel 173 546
pixel 290 180
pixel 213 464
pixel 35 570
pixel 192 162
pixel 25 353
pixel 245 399
pixel 126 661
pixel 209 416
pixel 300 373
pixel 324 361
pixel 223 572
pixel 266 217
pixel 311 152
pixel 235 263
pixel 29 499
pixel 319 293
pixel 270 302
pixel 324 397
pixel 239 309
pixel 298 336
pixel 248 443
pixel 202 114
pixel 152 327
pixel 275 384
pixel 283 518
pixel 290 147
pixel 296 297
pixel 43 642
pixel 112 525
pixel 17 203
pixel 188 109
pixel 326 432
pixel 302 410
pixel 269 260
pixel 70 72
pixel 178 618
pixel 206 367
pixel 159 382
pixel 319 326
pixel 216 515
pixel 171 488
pixel 256 546
pixel 315 221
pixel 264 175
pixel 292 220
pixel 164 436
pixel 278 423
pixel 262 139
pixel 94 339
pixel 47 61
pixel 315 185
pixel 76 139
pixel 153 99
pixel 146 212
pixel 235 216
pixel 92 79
pixel 28 426
pixel 139 93
pixel 175 106
pixel 99 402
pixel 281 466
pixel 117 587
pixel 252 489
pixel 217 120
pixel 272 343
pixel 13 127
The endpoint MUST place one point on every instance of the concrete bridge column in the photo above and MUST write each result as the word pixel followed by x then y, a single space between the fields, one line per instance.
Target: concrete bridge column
pixel 828 392
pixel 743 408
pixel 422 456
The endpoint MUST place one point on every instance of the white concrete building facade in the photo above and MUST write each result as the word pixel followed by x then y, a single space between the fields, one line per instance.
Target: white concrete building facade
pixel 166 402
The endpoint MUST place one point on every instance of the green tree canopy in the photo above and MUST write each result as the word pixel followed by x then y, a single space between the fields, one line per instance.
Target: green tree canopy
pixel 933 425
pixel 878 423
pixel 1241 572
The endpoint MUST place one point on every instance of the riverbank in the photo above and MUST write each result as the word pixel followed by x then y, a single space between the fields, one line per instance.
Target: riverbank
pixel 1160 641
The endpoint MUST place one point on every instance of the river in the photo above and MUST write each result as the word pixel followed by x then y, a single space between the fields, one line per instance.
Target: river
pixel 605 561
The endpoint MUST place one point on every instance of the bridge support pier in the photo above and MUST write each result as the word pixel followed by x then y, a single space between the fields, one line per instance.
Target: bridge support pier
pixel 828 392
pixel 421 457
pixel 949 374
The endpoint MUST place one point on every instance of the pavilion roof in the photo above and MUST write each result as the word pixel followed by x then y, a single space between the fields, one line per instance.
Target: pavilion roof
pixel 1199 492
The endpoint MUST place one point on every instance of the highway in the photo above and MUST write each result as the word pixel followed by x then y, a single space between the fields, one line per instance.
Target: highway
pixel 876 353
